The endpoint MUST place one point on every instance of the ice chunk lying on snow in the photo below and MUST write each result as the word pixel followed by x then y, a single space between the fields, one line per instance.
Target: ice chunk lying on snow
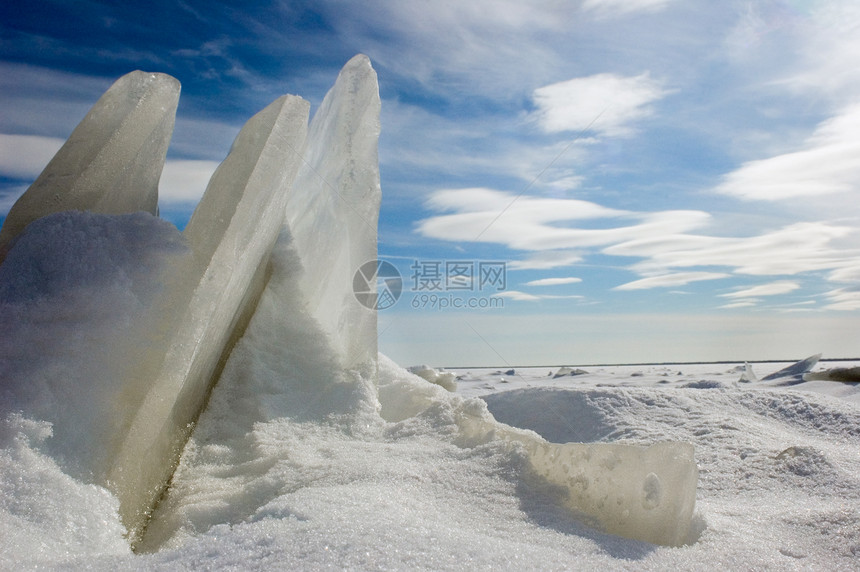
pixel 111 162
pixel 646 493
pixel 445 379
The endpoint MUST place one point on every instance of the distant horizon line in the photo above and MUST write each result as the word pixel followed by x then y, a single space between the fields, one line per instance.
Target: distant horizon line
pixel 718 362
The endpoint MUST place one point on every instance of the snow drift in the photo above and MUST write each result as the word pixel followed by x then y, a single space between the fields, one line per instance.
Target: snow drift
pixel 118 328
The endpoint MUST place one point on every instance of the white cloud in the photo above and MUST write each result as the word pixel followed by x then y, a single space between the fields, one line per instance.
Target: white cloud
pixel 184 181
pixel 553 281
pixel 47 102
pixel 796 248
pixel 605 103
pixel 25 156
pixel 546 260
pixel 516 295
pixel 526 297
pixel 562 231
pixel 849 273
pixel 740 304
pixel 676 279
pixel 537 223
pixel 771 289
pixel 843 299
pixel 827 164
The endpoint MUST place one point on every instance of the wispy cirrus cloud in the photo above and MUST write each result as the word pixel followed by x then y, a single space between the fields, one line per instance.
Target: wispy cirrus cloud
pixel 540 223
pixel 843 299
pixel 674 279
pixel 770 289
pixel 554 281
pixel 740 304
pixel 671 245
pixel 526 297
pixel 546 260
pixel 792 249
pixel 826 164
pixel 517 295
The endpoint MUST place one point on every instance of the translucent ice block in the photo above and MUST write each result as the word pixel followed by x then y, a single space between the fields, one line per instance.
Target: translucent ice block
pixel 112 161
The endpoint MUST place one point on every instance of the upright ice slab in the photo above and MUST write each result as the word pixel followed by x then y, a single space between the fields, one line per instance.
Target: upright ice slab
pixel 113 159
pixel 333 211
pixel 207 303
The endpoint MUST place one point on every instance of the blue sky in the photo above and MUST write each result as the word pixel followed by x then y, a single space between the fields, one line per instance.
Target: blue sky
pixel 665 180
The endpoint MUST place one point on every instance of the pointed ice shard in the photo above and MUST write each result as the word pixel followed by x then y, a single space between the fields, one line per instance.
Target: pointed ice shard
pixel 333 211
pixel 113 159
pixel 207 304
pixel 747 375
pixel 795 370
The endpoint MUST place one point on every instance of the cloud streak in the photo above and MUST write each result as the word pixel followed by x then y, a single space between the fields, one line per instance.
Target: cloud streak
pixel 827 164
pixel 553 281
pixel 668 280
pixel 771 289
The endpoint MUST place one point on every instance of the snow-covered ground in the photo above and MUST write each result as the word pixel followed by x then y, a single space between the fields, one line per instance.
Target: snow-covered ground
pixel 321 484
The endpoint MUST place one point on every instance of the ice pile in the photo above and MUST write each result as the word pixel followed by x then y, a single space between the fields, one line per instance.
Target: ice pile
pixel 445 379
pixel 117 327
